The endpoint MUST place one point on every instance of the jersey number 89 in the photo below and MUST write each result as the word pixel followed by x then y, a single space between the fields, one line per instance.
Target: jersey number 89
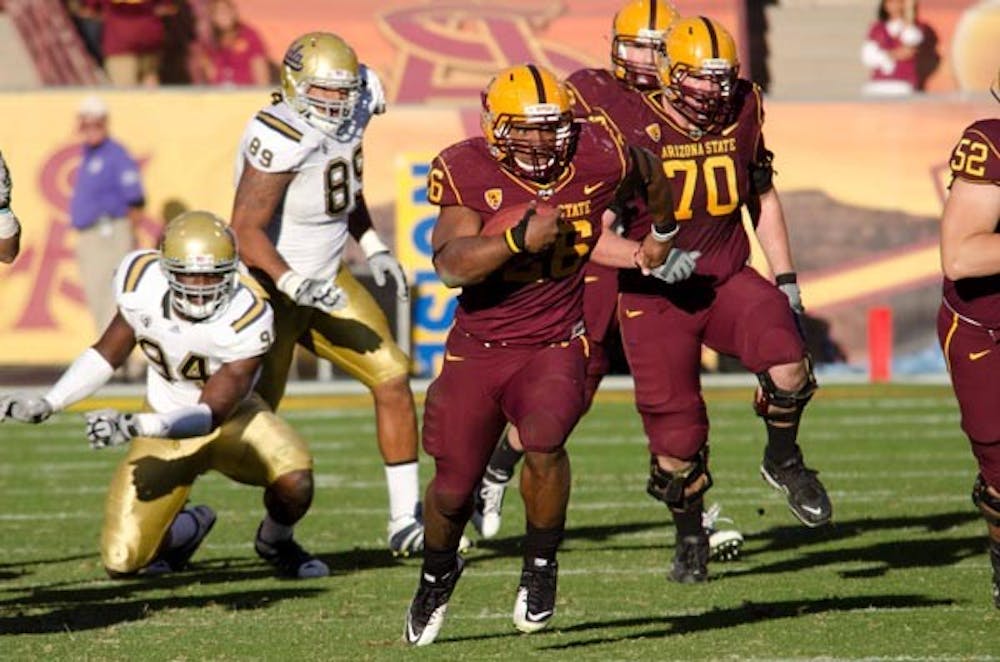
pixel 337 182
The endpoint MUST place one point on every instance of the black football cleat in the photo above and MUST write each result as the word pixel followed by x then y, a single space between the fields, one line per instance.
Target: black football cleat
pixel 807 497
pixel 290 560
pixel 690 560
pixel 425 616
pixel 536 596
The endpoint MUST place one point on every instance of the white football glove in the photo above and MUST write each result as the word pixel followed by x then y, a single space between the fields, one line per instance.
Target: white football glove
pixel 24 408
pixel 678 266
pixel 107 427
pixel 321 294
pixel 794 295
pixel 384 263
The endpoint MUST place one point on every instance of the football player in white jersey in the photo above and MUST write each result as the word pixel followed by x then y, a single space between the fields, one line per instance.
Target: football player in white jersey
pixel 299 196
pixel 10 229
pixel 204 334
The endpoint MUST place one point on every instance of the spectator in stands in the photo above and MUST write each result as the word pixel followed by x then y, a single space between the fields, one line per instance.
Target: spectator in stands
pixel 891 50
pixel 132 40
pixel 10 229
pixel 88 24
pixel 233 54
pixel 105 208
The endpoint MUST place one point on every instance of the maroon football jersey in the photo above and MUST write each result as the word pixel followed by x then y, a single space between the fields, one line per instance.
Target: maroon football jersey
pixel 709 174
pixel 976 158
pixel 590 89
pixel 531 298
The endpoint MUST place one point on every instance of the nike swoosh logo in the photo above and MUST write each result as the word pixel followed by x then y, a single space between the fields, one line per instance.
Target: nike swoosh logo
pixel 975 356
pixel 810 509
pixel 540 616
pixel 590 188
pixel 633 313
pixel 448 356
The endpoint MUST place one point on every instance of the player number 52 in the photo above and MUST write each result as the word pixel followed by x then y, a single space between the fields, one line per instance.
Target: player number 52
pixel 970 157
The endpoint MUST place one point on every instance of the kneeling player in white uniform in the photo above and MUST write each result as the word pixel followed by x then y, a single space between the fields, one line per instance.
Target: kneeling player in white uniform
pixel 203 333
pixel 298 197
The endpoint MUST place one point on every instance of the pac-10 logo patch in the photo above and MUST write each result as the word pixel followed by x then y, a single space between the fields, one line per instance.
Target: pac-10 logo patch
pixel 494 198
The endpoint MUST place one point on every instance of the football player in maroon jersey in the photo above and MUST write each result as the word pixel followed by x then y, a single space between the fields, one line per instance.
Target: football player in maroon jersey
pixel 517 351
pixel 639 29
pixel 705 124
pixel 969 318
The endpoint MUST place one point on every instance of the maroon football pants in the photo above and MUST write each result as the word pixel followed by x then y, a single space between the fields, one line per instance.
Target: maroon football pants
pixel 746 317
pixel 538 389
pixel 973 358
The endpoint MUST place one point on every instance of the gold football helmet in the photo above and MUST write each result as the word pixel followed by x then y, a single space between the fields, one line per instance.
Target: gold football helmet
pixel 528 123
pixel 637 45
pixel 198 256
pixel 700 71
pixel 320 79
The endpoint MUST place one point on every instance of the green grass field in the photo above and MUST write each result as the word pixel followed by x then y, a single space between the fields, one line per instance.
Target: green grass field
pixel 902 574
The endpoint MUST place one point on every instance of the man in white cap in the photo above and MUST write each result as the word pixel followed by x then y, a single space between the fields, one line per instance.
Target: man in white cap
pixel 105 209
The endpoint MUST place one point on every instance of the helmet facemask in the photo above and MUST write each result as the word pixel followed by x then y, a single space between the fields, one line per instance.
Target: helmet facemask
pixel 200 287
pixel 545 151
pixel 709 103
pixel 328 103
pixel 637 60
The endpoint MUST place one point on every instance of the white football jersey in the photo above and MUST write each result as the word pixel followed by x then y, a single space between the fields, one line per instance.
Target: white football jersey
pixel 309 229
pixel 182 354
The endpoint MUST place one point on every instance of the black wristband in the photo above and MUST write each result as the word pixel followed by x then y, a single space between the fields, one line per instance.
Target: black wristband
pixel 515 235
pixel 785 278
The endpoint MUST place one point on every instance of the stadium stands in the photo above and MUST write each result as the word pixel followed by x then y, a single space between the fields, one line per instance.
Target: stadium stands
pixel 47 32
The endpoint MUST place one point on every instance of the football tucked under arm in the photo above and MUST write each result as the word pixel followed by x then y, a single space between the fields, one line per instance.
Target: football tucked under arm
pixel 512 222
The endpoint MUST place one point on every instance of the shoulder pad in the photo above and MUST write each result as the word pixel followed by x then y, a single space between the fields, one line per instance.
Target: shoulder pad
pixel 134 269
pixel 277 141
pixel 249 327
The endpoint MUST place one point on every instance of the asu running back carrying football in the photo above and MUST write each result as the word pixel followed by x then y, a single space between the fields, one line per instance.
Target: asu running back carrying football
pixel 203 333
pixel 517 351
pixel 299 195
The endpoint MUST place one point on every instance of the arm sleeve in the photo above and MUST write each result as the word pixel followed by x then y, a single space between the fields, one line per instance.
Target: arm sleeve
pixel 183 423
pixel 89 372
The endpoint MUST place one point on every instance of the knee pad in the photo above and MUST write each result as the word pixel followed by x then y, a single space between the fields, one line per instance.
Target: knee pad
pixel 791 401
pixel 670 487
pixel 988 504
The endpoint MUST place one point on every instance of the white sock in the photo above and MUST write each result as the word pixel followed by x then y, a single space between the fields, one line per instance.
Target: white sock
pixel 272 532
pixel 182 529
pixel 404 488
